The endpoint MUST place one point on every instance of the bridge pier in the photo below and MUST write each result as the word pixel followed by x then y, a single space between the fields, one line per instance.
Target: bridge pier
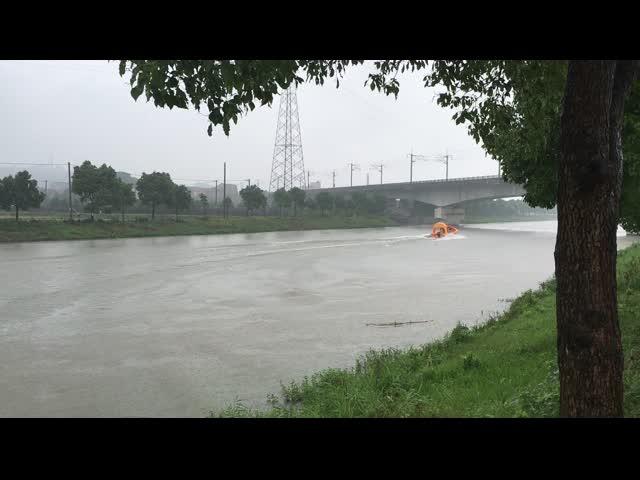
pixel 453 214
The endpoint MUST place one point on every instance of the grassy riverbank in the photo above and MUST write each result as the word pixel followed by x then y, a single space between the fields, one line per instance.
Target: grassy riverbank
pixel 505 368
pixel 38 230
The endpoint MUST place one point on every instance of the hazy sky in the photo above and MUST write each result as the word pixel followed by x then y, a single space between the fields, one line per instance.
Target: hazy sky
pixel 82 110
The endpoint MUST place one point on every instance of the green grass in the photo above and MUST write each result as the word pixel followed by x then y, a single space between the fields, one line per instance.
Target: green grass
pixel 504 368
pixel 51 229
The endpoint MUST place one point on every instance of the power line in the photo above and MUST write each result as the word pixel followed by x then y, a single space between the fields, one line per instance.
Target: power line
pixel 33 164
pixel 440 159
pixel 59 65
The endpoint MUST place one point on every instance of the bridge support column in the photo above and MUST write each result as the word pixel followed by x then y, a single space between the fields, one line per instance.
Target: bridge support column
pixel 450 214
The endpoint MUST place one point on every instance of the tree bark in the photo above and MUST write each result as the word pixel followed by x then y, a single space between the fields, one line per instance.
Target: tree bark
pixel 590 356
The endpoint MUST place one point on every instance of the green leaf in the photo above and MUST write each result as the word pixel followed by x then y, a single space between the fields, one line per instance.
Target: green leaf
pixel 228 74
pixel 137 91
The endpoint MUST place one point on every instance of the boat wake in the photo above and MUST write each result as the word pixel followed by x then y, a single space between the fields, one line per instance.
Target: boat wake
pixel 447 238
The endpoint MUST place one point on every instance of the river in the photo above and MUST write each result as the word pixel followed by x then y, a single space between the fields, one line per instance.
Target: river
pixel 179 326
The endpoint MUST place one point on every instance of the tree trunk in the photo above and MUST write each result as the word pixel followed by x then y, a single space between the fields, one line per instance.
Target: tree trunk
pixel 590 357
pixel 153 210
pixel 17 213
pixel 123 214
pixel 295 210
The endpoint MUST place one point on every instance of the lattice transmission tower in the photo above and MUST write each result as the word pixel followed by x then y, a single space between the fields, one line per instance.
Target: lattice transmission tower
pixel 287 169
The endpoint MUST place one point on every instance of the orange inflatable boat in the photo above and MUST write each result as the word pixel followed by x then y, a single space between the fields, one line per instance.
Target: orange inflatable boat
pixel 441 229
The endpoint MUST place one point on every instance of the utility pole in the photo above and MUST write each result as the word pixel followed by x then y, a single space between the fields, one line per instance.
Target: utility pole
pixel 69 176
pixel 216 202
pixel 248 182
pixel 224 192
pixel 441 159
pixel 353 167
pixel 308 179
pixel 379 166
pixel 367 178
pixel 411 162
pixel 446 161
pixel 334 179
pixel 45 188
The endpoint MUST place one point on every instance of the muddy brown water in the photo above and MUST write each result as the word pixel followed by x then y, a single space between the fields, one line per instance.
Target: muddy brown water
pixel 179 326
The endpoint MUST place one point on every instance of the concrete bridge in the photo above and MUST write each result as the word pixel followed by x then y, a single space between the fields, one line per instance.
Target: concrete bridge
pixel 448 196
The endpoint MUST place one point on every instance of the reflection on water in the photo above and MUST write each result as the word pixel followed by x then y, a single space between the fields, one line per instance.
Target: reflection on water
pixel 177 326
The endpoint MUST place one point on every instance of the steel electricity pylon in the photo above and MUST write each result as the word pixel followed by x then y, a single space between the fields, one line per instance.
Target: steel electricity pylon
pixel 287 168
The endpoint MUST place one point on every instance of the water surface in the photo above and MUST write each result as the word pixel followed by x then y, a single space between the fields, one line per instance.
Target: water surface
pixel 178 326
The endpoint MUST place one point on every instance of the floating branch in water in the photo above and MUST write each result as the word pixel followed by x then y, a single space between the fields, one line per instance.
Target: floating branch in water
pixel 393 324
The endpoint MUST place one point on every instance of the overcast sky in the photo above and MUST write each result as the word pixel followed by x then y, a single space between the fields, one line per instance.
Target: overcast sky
pixel 82 110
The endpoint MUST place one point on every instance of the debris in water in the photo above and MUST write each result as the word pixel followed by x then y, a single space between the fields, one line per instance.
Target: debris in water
pixel 394 324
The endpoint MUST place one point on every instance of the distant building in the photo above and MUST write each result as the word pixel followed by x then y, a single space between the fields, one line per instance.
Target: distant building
pixel 56 186
pixel 210 192
pixel 126 178
pixel 313 185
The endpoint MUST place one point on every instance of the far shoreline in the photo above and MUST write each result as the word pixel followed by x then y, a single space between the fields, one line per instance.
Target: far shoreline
pixel 45 230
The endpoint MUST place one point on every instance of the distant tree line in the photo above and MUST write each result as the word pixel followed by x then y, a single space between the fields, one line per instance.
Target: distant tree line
pixel 326 203
pixel 99 190
pixel 504 209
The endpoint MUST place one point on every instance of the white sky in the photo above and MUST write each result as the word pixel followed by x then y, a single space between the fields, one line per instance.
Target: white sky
pixel 82 110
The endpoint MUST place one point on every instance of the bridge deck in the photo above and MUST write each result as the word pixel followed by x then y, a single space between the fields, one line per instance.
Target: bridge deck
pixel 404 184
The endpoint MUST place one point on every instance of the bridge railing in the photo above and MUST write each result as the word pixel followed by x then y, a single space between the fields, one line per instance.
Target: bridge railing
pixel 487 177
pixel 440 180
